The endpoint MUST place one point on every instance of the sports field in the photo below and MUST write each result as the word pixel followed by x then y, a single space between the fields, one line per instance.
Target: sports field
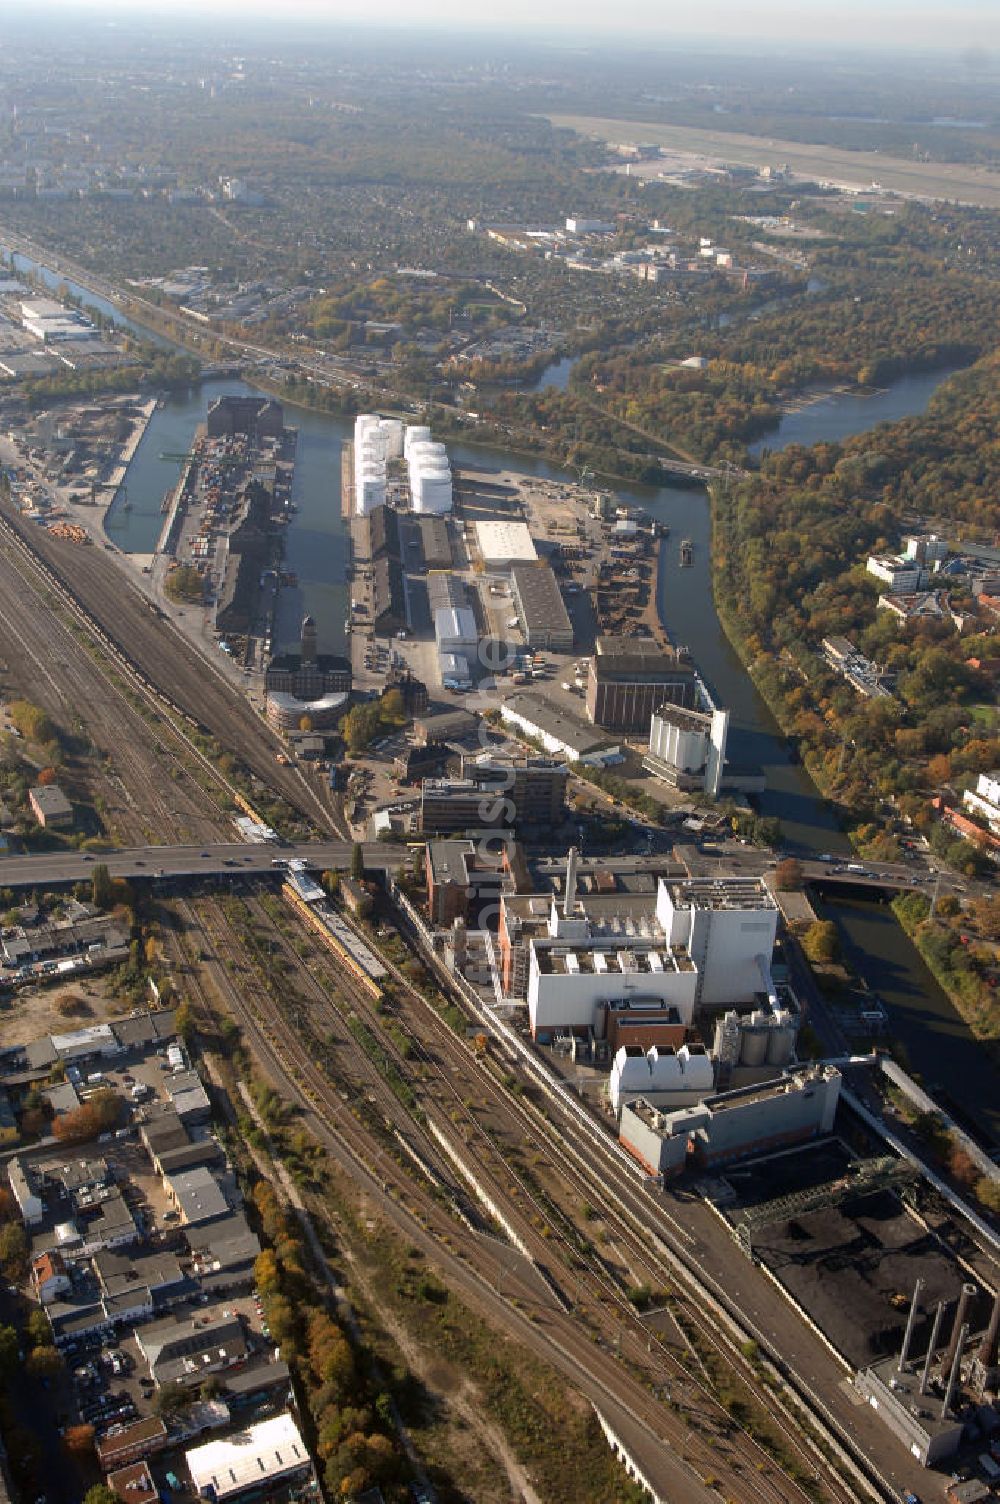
pixel 959 181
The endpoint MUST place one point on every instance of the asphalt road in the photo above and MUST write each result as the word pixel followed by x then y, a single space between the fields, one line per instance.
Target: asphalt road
pixel 46 868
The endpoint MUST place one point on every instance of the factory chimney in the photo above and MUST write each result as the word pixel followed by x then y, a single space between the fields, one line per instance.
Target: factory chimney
pixel 987 1354
pixel 569 897
pixel 307 642
pixel 969 1293
pixel 932 1347
pixel 911 1322
pixel 949 1393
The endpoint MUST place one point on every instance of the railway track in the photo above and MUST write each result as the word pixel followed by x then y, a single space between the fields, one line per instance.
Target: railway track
pixel 152 792
pixel 630 1349
pixel 159 662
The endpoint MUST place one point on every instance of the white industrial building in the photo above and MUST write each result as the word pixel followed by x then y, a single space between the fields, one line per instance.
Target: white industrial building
pixel 732 1125
pixel 255 1457
pixel 455 629
pixel 376 442
pixel 664 1077
pixel 688 747
pixel 503 544
pixel 559 731
pixel 429 472
pixel 728 927
pixel 50 321
pixel 581 967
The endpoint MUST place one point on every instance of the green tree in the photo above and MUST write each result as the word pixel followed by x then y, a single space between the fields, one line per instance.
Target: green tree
pixel 45 1362
pixel 13 1251
pixel 357 860
pixel 8 1354
pixel 37 1329
pixel 102 890
pixel 821 942
pixel 100 1493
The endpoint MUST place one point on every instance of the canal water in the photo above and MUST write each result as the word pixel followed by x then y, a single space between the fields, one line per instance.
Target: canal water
pixel 939 1046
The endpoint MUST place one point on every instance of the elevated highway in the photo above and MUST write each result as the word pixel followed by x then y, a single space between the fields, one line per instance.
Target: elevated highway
pixel 47 869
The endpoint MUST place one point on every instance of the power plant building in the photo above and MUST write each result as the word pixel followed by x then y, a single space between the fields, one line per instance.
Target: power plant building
pixel 732 1125
pixel 664 1077
pixel 728 927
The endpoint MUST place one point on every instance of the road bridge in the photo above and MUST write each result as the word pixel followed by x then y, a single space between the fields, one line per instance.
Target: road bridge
pixel 49 869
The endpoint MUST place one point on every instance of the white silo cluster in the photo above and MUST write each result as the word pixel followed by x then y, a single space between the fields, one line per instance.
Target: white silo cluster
pixel 376 441
pixel 430 472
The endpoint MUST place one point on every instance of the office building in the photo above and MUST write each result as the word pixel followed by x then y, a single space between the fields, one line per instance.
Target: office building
pixel 904 576
pixel 630 678
pixel 306 683
pixel 984 799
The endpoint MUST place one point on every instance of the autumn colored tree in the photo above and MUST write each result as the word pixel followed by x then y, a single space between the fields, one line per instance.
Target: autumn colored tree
pixel 79 1441
pixel 788 875
pixel 821 942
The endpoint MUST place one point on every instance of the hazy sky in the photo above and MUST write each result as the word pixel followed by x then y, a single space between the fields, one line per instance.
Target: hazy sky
pixel 950 24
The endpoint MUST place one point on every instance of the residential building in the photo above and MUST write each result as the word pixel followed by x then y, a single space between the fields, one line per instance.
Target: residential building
pixel 50 807
pixel 984 799
pixel 629 679
pixel 25 1188
pixel 134 1484
pixel 903 576
pixel 143 1439
pixel 541 612
pixel 49 1278
pixel 860 672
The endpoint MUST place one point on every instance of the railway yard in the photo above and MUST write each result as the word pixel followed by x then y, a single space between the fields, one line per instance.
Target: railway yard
pixel 452 1132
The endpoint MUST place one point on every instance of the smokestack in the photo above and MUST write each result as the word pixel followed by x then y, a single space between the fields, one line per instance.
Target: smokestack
pixel 569 897
pixel 949 1393
pixel 911 1322
pixel 969 1292
pixel 987 1354
pixel 932 1347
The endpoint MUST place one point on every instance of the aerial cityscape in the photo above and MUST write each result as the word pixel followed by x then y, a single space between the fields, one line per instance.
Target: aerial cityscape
pixel 499 758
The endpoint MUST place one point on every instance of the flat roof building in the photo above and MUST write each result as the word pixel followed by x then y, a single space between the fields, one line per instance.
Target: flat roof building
pixel 255 1458
pixel 503 544
pixel 732 1125
pixel 50 806
pixel 630 678
pixel 540 608
pixel 197 1196
pixel 728 926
